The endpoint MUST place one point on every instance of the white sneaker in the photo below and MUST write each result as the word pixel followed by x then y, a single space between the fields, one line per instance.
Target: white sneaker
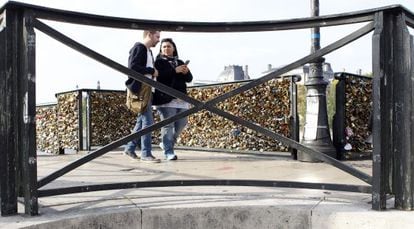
pixel 171 157
pixel 161 146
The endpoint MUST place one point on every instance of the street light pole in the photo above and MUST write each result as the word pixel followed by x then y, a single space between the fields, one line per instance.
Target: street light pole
pixel 316 134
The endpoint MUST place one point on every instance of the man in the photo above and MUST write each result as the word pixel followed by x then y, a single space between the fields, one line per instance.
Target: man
pixel 141 60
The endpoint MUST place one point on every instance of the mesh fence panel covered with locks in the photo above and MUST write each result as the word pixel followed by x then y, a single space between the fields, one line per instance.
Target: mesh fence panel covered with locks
pixel 352 137
pixel 57 126
pixel 110 118
pixel 267 105
pixel 68 120
pixel 46 129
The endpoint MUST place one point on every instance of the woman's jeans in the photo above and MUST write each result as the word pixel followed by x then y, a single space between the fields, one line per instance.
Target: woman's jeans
pixel 143 120
pixel 170 132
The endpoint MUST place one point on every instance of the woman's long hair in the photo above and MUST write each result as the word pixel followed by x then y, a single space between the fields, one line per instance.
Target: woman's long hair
pixel 169 40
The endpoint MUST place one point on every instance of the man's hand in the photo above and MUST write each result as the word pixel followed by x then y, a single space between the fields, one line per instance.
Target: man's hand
pixel 155 74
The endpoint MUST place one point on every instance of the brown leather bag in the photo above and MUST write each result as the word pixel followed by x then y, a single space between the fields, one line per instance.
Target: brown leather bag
pixel 137 103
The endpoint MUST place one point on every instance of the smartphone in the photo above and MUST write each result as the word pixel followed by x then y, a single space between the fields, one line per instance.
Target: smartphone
pixel 187 62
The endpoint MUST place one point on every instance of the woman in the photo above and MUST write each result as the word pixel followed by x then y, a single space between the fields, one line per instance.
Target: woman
pixel 174 73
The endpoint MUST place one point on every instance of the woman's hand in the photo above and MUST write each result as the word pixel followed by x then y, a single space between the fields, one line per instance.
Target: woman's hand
pixel 182 69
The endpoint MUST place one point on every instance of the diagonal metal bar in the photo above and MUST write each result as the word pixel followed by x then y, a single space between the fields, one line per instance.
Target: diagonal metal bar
pixel 321 52
pixel 294 144
pixel 198 105
pixel 236 119
pixel 272 75
pixel 108 62
pixel 231 182
pixel 409 20
pixel 113 145
pixel 102 59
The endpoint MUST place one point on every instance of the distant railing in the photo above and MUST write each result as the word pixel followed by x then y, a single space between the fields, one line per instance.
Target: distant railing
pixel 87 118
pixel 392 54
pixel 352 123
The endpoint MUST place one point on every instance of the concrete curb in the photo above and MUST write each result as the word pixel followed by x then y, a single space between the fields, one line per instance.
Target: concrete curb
pixel 243 211
pixel 205 206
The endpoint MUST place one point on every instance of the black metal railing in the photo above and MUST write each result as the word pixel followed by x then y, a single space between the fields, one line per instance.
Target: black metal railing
pixel 391 41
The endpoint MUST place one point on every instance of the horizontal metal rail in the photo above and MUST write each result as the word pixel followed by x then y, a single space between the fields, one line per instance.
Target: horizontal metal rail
pixel 90 90
pixel 341 75
pixel 170 183
pixel 410 21
pixel 209 105
pixel 246 26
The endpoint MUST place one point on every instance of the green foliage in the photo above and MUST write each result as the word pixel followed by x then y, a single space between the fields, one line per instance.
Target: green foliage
pixel 301 105
pixel 330 97
pixel 330 101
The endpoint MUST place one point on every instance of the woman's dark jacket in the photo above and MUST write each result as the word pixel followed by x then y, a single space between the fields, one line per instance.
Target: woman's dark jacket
pixel 167 75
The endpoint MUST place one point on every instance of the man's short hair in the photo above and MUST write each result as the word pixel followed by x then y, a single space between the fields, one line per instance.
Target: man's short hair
pixel 146 32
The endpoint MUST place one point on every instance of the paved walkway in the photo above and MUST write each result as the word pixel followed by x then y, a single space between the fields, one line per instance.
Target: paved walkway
pixel 205 206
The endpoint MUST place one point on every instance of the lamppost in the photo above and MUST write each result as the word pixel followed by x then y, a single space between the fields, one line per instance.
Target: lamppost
pixel 316 133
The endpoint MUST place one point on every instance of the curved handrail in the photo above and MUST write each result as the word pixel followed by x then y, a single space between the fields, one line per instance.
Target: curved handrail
pixel 234 182
pixel 246 26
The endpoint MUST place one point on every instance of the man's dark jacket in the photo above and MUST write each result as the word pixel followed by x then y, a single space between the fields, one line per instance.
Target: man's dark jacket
pixel 137 61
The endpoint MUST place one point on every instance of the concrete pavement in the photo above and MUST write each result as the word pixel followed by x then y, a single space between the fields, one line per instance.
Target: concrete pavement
pixel 205 206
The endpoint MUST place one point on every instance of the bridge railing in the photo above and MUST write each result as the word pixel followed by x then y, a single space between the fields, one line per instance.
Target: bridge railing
pixel 86 118
pixel 392 100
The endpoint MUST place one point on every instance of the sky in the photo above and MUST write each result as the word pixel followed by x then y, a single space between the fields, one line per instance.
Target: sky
pixel 60 69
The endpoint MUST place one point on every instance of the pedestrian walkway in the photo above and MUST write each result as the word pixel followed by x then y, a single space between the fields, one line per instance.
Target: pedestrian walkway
pixel 205 206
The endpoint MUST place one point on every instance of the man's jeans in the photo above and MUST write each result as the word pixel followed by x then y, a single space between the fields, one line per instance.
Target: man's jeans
pixel 143 120
pixel 172 131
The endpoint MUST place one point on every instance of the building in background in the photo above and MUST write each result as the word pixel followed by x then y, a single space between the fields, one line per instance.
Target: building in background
pixel 233 73
pixel 303 71
pixel 236 72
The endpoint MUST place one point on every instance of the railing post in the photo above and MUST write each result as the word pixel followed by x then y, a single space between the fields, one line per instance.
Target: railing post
pixel 84 124
pixel 393 159
pixel 80 120
pixel 338 125
pixel 382 105
pixel 88 120
pixel 294 116
pixel 27 78
pixel 410 159
pixel 402 118
pixel 9 107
